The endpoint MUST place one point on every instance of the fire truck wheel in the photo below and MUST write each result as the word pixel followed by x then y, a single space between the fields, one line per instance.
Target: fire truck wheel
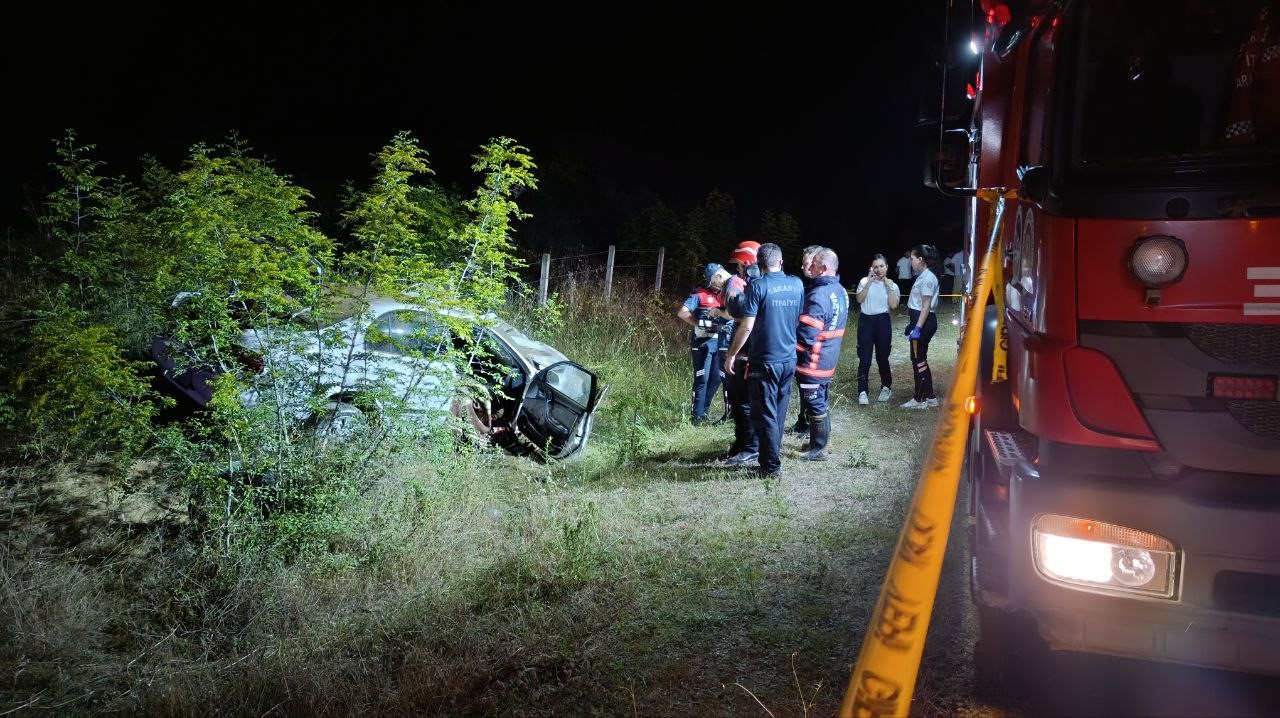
pixel 1006 656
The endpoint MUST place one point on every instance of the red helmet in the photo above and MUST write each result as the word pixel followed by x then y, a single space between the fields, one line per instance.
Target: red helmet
pixel 745 253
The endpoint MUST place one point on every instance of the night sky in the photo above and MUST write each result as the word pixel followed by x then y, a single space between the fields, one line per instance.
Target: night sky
pixel 800 109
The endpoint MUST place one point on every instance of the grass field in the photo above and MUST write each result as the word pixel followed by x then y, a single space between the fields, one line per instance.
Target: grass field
pixel 640 579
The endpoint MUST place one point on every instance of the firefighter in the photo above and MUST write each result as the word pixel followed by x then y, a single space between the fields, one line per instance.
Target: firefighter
pixel 746 445
pixel 819 333
pixel 701 311
pixel 806 258
pixel 769 315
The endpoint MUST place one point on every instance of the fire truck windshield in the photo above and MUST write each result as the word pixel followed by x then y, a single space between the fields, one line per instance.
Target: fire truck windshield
pixel 1174 88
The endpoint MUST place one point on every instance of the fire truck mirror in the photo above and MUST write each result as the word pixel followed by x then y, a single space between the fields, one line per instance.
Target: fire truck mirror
pixel 1035 184
pixel 947 160
pixel 1011 35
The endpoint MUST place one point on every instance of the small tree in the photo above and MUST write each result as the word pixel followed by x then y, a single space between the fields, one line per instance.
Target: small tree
pixel 73 369
pixel 482 279
pixel 782 229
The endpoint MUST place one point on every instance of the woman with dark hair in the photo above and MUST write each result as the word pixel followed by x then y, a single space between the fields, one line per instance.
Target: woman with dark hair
pixel 923 323
pixel 877 295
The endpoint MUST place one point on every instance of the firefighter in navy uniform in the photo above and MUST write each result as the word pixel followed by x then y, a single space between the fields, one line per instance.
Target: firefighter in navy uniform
pixel 701 311
pixel 746 445
pixel 770 312
pixel 818 339
pixel 801 426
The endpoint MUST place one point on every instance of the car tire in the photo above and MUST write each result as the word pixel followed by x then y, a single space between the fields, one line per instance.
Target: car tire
pixel 339 420
pixel 476 419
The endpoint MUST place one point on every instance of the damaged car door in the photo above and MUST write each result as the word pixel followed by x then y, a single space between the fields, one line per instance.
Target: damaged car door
pixel 558 408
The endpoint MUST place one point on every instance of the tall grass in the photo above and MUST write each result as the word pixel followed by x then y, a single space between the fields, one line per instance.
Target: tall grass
pixel 634 580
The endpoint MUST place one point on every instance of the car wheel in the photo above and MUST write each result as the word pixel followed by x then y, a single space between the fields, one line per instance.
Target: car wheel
pixel 477 419
pixel 340 420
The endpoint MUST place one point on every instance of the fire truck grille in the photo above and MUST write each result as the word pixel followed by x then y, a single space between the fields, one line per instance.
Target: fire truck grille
pixel 1237 343
pixel 1260 417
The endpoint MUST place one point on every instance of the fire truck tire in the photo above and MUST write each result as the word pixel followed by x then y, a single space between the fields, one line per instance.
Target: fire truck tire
pixel 1006 656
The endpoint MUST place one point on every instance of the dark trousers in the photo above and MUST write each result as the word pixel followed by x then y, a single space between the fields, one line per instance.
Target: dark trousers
pixel 874 331
pixel 813 398
pixel 947 286
pixel 920 355
pixel 721 380
pixel 744 431
pixel 770 386
pixel 706 377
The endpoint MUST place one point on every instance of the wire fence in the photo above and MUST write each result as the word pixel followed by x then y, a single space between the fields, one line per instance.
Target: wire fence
pixel 601 268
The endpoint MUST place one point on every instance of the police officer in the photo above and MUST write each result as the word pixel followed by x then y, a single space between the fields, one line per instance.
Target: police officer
pixel 770 313
pixel 701 311
pixel 818 339
pixel 746 445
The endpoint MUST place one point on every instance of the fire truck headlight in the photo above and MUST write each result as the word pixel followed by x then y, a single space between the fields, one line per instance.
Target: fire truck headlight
pixel 1098 556
pixel 1158 260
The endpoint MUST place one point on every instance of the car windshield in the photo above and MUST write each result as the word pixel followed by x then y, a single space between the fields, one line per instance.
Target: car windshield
pixel 1177 86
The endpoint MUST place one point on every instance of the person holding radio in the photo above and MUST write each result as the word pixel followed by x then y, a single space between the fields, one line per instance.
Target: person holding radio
pixel 701 310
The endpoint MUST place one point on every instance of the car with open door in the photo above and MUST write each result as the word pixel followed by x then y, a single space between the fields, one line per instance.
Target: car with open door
pixel 518 387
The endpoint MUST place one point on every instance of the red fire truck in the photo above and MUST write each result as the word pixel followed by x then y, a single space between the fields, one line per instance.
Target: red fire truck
pixel 1124 477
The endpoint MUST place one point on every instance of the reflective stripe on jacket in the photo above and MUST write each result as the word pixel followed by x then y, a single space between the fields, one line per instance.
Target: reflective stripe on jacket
pixel 821 329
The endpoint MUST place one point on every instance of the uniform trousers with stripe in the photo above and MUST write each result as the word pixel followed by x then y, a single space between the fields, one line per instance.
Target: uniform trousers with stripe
pixel 706 376
pixel 813 397
pixel 920 354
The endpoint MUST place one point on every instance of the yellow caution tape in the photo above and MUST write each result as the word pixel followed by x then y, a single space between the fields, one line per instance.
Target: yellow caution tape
pixel 885 676
pixel 1000 352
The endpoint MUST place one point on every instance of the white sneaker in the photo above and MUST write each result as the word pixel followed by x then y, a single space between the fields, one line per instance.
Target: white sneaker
pixel 885 393
pixel 913 404
pixel 863 399
pixel 931 403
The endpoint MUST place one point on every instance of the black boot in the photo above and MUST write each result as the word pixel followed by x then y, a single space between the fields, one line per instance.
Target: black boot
pixel 819 432
pixel 739 437
pixel 801 426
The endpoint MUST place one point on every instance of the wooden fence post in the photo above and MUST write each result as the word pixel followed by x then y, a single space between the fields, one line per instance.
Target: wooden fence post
pixel 544 280
pixel 657 282
pixel 608 273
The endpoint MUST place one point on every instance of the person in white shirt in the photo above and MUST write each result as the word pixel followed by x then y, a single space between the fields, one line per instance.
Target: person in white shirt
pixel 876 295
pixel 905 273
pixel 921 306
pixel 953 274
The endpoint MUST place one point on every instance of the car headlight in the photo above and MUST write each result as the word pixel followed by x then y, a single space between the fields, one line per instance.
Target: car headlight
pixel 1084 553
pixel 1158 260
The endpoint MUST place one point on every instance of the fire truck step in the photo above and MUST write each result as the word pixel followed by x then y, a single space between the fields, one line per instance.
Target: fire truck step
pixel 1012 447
